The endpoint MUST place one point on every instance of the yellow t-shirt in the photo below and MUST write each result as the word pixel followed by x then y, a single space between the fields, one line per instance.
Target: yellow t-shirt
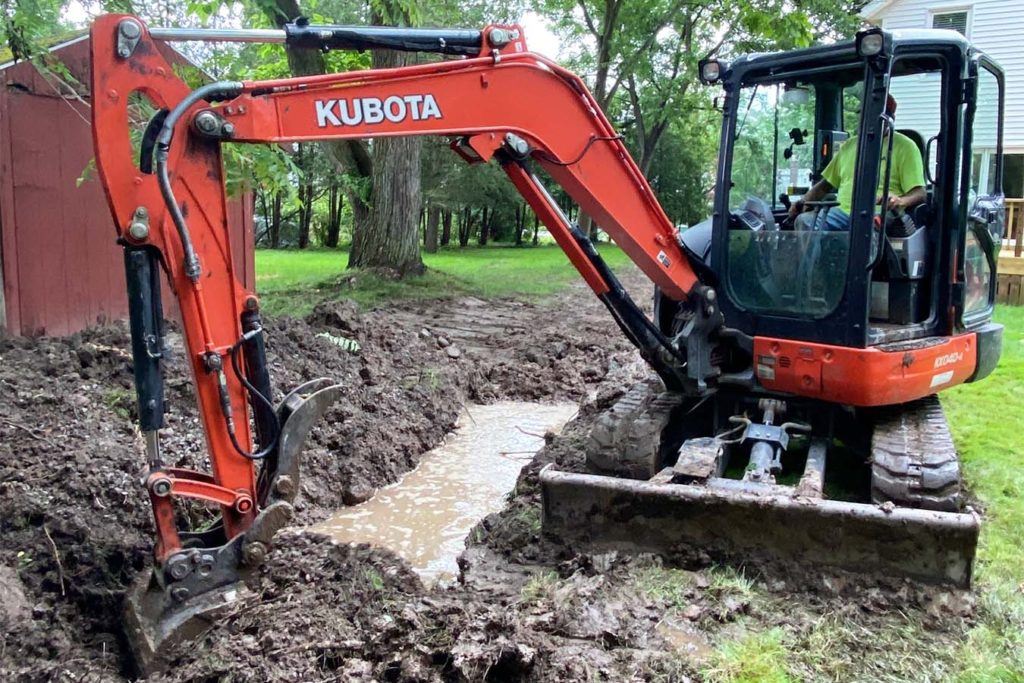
pixel 907 169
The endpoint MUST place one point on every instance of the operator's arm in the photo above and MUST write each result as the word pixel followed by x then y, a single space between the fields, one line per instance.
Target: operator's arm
pixel 831 180
pixel 909 200
pixel 816 193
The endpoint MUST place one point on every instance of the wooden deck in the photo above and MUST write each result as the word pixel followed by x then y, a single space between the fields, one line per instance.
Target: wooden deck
pixel 1010 279
pixel 1010 271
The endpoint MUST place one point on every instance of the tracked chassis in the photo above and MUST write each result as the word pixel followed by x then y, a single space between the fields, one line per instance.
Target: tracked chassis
pixel 655 484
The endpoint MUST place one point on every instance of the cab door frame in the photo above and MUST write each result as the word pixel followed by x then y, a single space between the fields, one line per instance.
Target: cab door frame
pixel 986 216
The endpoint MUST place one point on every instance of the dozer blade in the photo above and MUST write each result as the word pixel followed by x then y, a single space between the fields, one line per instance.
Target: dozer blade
pixel 186 596
pixel 609 513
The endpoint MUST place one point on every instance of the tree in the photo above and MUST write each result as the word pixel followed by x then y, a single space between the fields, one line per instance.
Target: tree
pixel 384 197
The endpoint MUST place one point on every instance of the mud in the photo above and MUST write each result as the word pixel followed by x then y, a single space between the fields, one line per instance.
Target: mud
pixel 75 527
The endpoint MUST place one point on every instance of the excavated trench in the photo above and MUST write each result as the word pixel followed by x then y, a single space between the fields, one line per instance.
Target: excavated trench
pixel 425 516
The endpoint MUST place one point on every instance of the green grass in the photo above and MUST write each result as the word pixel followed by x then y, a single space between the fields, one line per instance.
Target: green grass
pixel 293 282
pixel 986 422
pixel 751 658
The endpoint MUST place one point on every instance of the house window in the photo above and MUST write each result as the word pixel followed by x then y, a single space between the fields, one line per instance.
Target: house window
pixel 954 21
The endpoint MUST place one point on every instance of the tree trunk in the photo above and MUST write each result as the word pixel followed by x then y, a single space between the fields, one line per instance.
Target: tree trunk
pixel 430 234
pixel 305 195
pixel 536 229
pixel 351 156
pixel 275 222
pixel 384 226
pixel 335 201
pixel 465 226
pixel 446 228
pixel 485 226
pixel 389 237
pixel 520 223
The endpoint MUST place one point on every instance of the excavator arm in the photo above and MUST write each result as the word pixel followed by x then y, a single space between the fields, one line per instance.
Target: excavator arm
pixel 169 206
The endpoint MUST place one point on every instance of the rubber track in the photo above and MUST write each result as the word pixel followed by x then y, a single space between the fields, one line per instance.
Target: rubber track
pixel 626 439
pixel 913 460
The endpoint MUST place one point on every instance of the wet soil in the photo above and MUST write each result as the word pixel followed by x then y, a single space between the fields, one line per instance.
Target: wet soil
pixel 75 528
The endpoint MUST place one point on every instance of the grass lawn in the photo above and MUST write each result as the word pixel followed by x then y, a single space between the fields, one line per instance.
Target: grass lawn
pixel 986 423
pixel 291 281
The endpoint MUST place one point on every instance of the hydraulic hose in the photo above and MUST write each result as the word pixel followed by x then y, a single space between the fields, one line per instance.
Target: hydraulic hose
pixel 210 91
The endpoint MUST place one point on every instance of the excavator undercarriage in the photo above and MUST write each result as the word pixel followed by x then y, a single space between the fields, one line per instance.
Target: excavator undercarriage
pixel 668 475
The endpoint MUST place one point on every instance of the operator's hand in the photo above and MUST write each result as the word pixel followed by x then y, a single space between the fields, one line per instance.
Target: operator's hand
pixel 897 204
pixel 796 208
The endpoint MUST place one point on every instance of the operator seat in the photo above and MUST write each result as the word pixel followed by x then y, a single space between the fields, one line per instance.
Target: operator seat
pixel 900 289
pixel 916 137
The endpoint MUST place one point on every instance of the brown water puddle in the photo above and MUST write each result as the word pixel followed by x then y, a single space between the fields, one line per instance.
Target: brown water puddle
pixel 425 516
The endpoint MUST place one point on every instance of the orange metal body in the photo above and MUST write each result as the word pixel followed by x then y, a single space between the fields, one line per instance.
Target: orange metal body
pixel 210 309
pixel 874 376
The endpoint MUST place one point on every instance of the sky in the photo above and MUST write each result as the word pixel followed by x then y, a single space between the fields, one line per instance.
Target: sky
pixel 539 37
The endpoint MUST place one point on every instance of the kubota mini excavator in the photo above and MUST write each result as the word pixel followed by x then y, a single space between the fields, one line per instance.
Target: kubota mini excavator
pixel 791 362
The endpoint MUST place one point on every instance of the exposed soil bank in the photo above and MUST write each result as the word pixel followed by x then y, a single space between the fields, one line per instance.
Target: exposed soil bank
pixel 75 527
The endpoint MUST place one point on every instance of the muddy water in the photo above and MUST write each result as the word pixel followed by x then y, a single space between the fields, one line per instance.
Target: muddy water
pixel 425 516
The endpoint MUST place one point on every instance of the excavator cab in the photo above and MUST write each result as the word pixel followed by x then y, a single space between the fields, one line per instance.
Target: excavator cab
pixel 850 272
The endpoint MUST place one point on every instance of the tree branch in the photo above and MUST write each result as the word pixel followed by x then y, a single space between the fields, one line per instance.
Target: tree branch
pixel 588 19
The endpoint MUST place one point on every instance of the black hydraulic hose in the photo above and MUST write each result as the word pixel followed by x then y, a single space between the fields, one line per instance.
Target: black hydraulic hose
pixel 210 91
pixel 236 365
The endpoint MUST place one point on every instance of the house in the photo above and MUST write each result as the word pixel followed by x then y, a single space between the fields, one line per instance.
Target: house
pixel 995 27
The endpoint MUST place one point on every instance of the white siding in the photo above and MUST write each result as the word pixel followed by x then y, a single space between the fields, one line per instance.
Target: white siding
pixel 994 26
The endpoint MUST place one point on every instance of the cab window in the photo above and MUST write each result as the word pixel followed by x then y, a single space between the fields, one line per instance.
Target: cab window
pixel 771 267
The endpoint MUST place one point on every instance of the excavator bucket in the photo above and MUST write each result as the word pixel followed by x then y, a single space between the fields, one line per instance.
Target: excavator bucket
pixel 186 597
pixel 736 519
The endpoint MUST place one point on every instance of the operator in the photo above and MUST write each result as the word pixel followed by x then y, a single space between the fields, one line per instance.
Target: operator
pixel 906 182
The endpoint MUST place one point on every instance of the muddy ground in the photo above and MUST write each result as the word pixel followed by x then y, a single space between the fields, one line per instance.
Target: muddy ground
pixel 75 527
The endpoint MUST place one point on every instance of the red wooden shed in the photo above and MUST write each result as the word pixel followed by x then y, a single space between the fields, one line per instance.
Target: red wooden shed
pixel 61 268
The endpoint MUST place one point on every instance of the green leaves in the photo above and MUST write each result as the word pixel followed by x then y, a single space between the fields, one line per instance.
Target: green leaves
pixel 27 25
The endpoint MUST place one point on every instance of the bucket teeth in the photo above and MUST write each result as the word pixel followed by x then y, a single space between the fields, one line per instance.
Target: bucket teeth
pixel 195 587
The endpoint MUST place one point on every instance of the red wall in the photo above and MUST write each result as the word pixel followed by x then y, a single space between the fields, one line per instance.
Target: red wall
pixel 62 270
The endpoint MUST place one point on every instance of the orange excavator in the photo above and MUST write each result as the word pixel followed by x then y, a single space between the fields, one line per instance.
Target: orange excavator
pixel 846 334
